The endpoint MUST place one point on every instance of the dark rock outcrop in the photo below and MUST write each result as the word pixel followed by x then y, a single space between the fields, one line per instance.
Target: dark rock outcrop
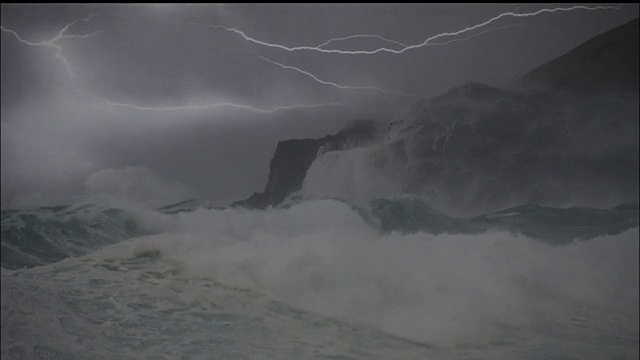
pixel 605 63
pixel 478 148
pixel 293 158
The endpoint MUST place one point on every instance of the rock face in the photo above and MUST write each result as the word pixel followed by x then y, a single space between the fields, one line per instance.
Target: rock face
pixel 607 62
pixel 478 148
pixel 292 159
pixel 573 140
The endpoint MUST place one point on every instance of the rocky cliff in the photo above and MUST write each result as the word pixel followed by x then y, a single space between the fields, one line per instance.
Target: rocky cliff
pixel 478 148
pixel 573 140
pixel 292 159
pixel 605 63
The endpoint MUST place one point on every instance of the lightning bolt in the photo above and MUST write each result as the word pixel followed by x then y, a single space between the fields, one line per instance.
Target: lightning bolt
pixel 345 87
pixel 62 35
pixel 52 43
pixel 359 37
pixel 338 86
pixel 518 8
pixel 410 47
pixel 222 105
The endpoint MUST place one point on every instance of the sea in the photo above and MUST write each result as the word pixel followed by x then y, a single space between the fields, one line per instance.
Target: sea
pixel 392 278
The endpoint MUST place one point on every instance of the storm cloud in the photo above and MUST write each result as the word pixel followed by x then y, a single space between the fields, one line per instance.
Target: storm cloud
pixel 78 106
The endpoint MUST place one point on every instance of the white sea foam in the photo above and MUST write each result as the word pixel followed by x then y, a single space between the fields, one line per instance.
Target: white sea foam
pixel 446 289
pixel 352 175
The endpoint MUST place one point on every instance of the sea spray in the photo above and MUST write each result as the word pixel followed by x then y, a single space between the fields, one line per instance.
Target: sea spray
pixel 354 175
pixel 446 289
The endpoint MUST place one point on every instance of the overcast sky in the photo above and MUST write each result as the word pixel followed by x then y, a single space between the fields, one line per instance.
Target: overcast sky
pixel 131 93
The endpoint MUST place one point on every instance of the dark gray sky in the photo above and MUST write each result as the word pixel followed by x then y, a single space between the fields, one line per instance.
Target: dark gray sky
pixel 60 129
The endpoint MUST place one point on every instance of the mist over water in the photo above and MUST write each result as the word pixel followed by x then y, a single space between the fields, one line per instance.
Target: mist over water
pixel 350 175
pixel 474 220
pixel 350 265
pixel 448 289
pixel 440 296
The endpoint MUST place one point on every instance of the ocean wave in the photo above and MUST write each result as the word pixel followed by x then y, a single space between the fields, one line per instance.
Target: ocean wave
pixel 338 261
pixel 48 234
pixel 44 235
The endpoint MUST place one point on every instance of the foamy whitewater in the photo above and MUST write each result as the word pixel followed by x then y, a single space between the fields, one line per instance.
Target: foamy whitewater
pixel 316 279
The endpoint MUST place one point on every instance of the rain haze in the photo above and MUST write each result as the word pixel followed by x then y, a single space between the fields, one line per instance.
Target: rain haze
pixel 320 181
pixel 122 100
